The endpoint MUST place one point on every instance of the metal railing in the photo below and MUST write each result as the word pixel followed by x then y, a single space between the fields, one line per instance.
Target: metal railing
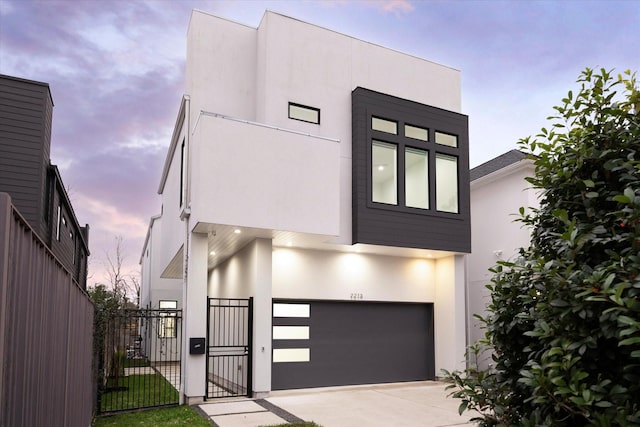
pixel 139 359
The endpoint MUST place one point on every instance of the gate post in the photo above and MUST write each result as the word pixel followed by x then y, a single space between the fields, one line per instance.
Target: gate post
pixel 262 321
pixel 194 316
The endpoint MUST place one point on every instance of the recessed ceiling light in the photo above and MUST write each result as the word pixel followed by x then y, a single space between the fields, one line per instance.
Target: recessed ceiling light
pixel 212 253
pixel 237 231
pixel 380 168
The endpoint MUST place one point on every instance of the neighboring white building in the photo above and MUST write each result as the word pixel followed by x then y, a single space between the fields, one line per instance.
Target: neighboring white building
pixel 327 179
pixel 498 190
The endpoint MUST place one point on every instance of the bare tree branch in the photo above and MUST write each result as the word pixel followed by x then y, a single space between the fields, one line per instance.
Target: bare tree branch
pixel 125 285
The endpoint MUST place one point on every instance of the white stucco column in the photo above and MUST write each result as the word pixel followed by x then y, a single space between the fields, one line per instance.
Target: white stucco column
pixel 449 314
pixel 262 318
pixel 194 316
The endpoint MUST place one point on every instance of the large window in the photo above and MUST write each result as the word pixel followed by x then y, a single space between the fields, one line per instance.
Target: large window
pixel 384 179
pixel 167 322
pixel 416 176
pixel 419 188
pixel 446 183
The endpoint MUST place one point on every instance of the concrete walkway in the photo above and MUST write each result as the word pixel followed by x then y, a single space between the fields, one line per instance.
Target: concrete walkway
pixel 419 404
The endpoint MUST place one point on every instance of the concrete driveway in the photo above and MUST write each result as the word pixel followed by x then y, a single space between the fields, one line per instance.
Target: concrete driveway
pixel 420 404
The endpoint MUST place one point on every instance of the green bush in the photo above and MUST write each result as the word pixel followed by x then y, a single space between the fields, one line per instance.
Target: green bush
pixel 563 324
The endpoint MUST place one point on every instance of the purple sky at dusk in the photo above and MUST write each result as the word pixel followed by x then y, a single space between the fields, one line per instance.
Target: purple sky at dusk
pixel 116 73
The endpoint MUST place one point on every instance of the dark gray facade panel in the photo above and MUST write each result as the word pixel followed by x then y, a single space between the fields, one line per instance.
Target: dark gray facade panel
pixel 375 223
pixel 359 343
pixel 26 110
pixel 25 117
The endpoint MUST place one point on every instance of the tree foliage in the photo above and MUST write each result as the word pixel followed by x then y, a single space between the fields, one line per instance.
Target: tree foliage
pixel 564 319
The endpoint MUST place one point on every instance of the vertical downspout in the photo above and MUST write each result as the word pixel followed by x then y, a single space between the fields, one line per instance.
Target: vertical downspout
pixel 185 214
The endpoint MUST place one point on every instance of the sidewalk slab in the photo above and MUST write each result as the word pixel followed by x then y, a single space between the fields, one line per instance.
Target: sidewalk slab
pixel 227 408
pixel 251 419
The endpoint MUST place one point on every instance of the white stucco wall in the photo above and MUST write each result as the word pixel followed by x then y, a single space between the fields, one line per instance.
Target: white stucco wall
pixel 153 288
pixel 327 275
pixel 495 235
pixel 221 66
pixel 449 316
pixel 256 176
pixel 171 236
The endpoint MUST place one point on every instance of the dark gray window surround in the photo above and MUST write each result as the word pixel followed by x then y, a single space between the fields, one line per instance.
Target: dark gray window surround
pixel 399 225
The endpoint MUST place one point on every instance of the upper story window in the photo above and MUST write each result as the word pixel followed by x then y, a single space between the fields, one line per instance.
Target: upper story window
pixel 384 173
pixel 383 125
pixel 446 183
pixel 182 172
pixel 304 113
pixel 416 132
pixel 411 156
pixel 58 223
pixel 446 139
pixel 410 174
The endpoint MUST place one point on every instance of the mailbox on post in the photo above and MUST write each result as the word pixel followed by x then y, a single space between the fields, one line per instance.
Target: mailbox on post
pixel 196 346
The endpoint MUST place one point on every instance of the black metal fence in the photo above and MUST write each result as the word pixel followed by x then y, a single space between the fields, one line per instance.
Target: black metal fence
pixel 138 359
pixel 229 344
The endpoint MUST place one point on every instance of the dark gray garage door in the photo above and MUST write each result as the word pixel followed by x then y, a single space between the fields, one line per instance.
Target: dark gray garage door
pixel 356 343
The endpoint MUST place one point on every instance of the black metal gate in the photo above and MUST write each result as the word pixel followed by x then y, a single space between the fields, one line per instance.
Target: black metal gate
pixel 138 355
pixel 229 346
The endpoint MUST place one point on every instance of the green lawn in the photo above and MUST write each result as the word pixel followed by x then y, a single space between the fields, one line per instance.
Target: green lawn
pixel 142 391
pixel 176 416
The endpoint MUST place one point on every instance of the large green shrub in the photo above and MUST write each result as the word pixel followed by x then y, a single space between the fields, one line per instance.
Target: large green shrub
pixel 563 324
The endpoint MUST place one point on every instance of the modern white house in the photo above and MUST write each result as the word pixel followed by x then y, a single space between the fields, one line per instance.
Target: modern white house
pixel 498 190
pixel 315 212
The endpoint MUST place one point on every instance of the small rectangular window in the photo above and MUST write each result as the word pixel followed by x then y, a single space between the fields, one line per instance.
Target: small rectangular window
pixel 416 132
pixel 304 113
pixel 446 139
pixel 290 332
pixel 172 305
pixel 167 327
pixel 384 125
pixel 182 172
pixel 384 179
pixel 281 355
pixel 290 310
pixel 58 223
pixel 416 178
pixel 446 183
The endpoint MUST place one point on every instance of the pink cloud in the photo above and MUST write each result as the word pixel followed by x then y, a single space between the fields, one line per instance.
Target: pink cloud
pixel 397 6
